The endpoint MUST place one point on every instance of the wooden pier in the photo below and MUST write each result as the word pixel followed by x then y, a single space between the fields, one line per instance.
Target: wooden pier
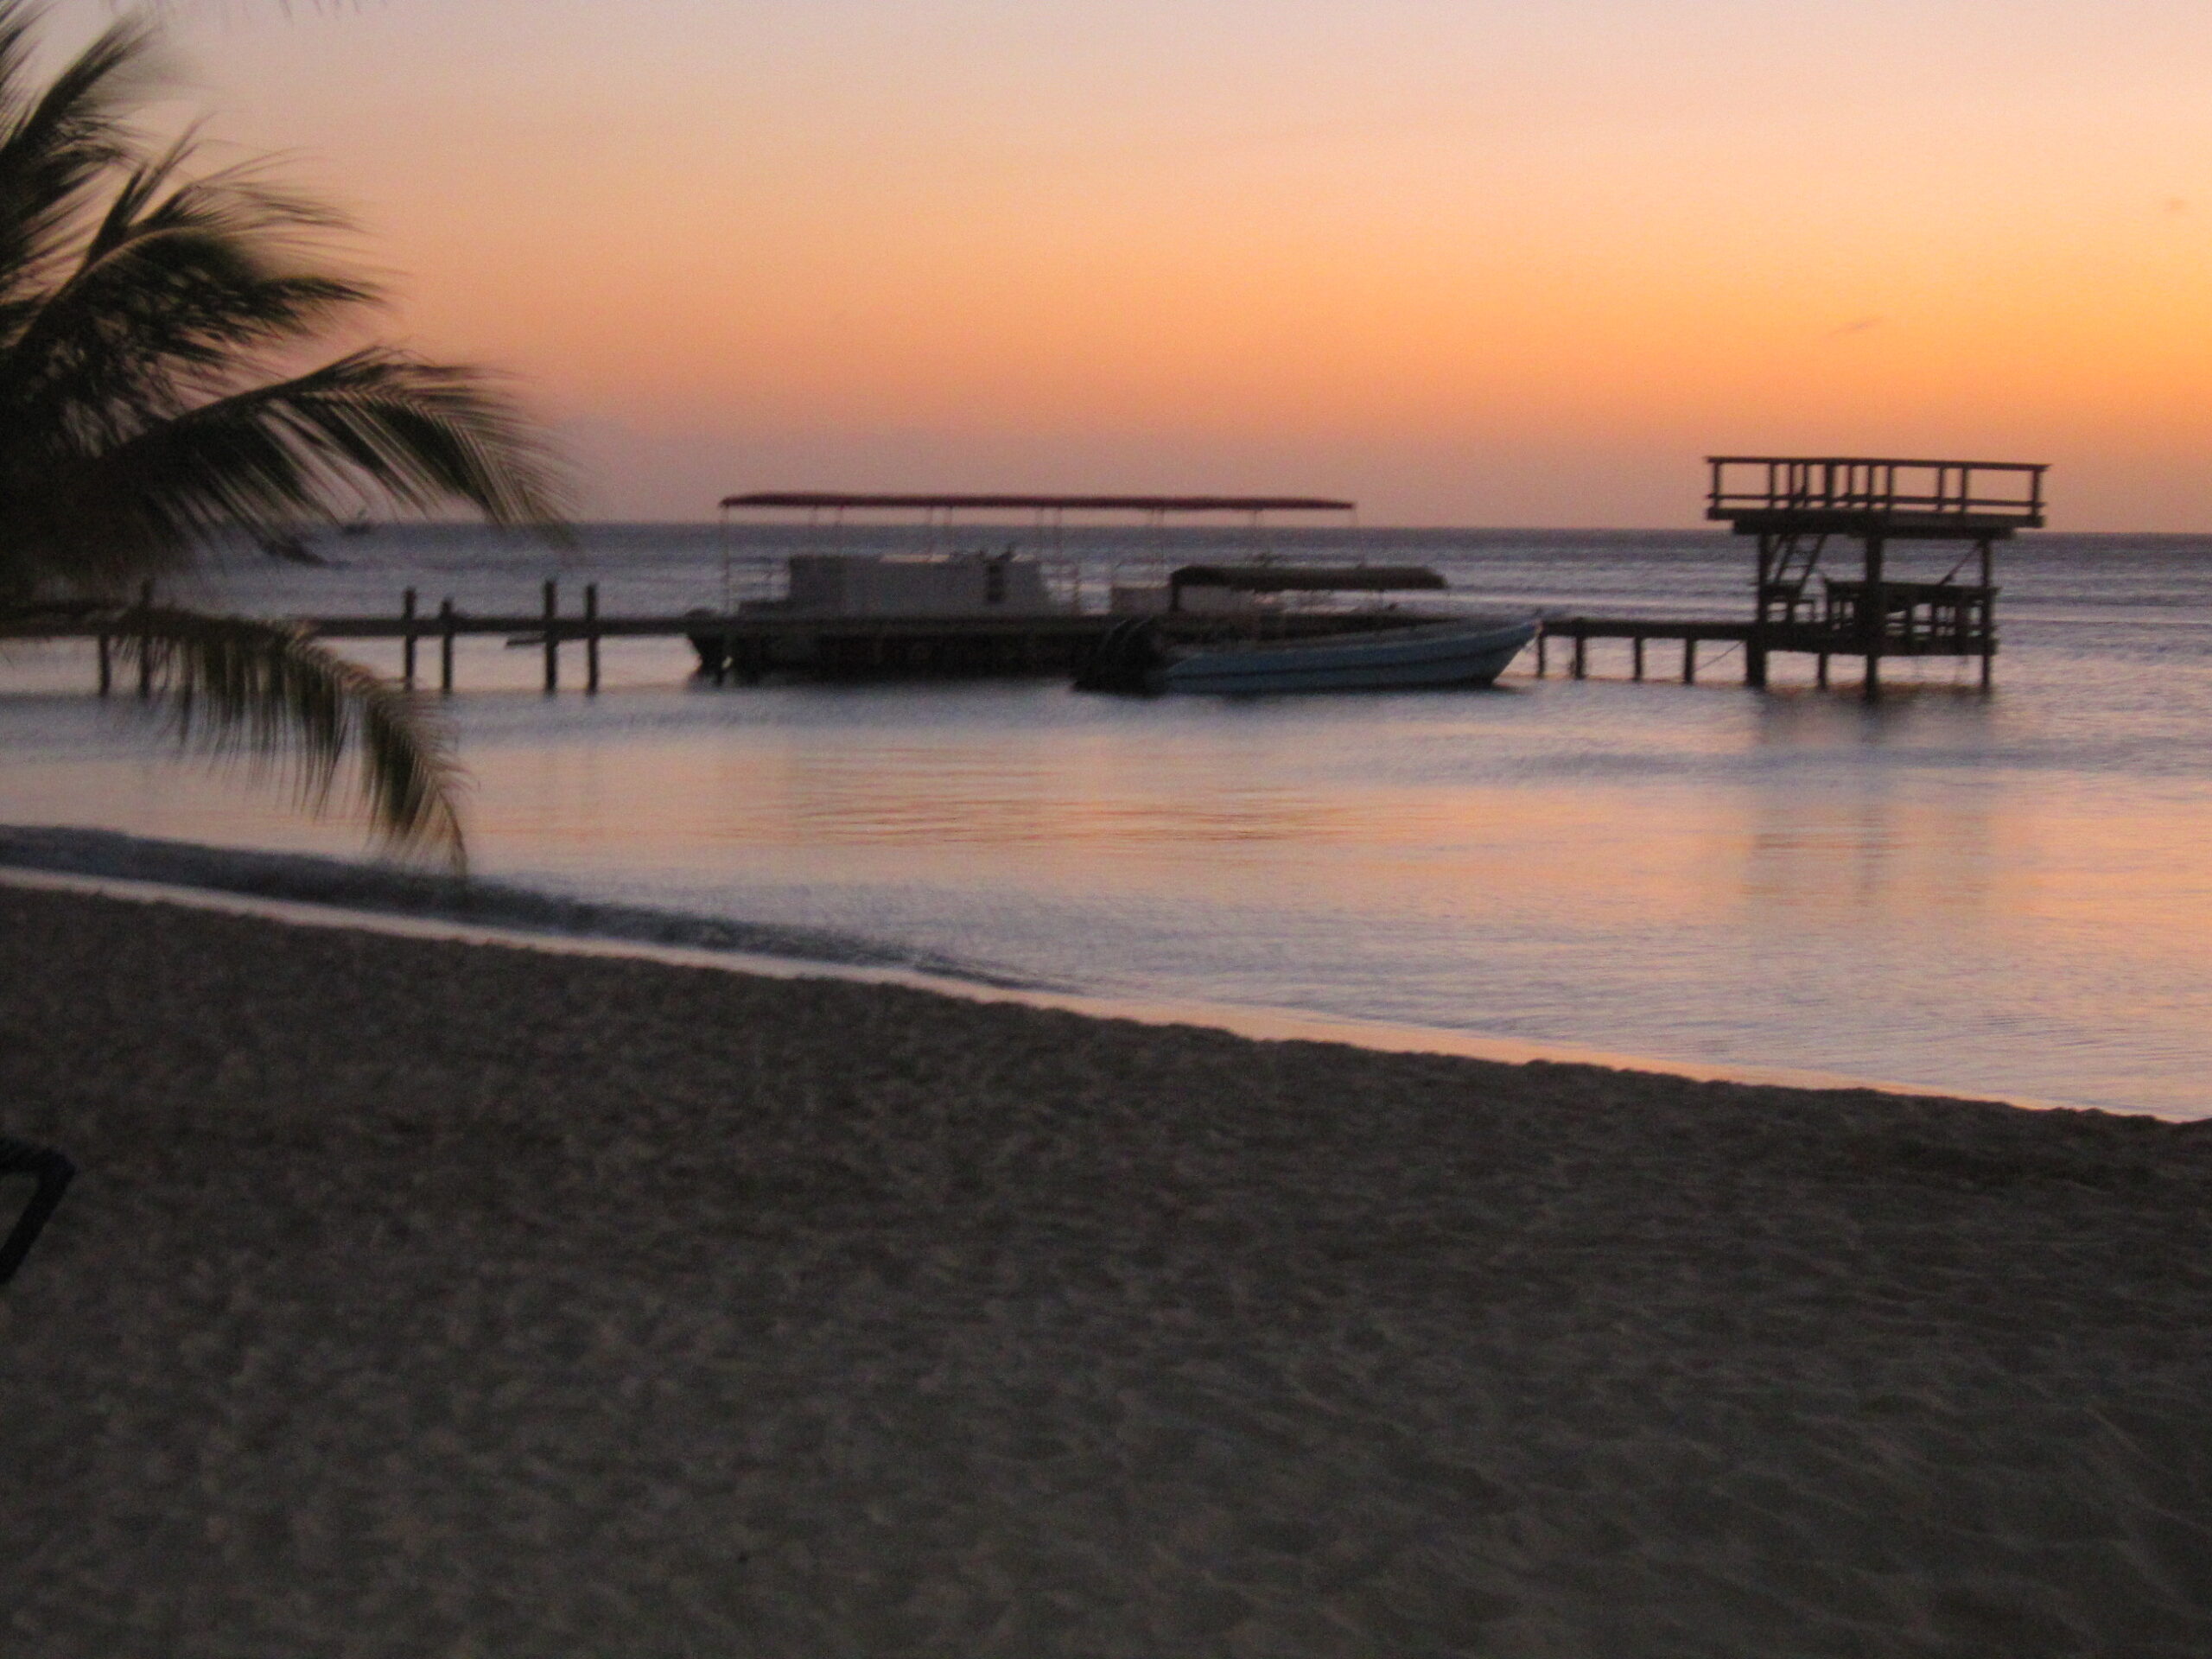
pixel 1796 507
pixel 1800 510
pixel 745 645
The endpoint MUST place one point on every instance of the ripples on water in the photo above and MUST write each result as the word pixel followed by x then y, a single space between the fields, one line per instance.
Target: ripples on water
pixel 2009 894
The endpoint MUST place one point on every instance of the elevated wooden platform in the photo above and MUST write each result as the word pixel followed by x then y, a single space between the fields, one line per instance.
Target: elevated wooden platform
pixel 1896 499
pixel 1795 505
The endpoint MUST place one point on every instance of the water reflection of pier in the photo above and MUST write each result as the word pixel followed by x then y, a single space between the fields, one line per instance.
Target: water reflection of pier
pixel 1800 508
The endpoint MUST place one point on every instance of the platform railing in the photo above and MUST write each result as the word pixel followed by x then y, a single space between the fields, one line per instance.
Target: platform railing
pixel 2003 490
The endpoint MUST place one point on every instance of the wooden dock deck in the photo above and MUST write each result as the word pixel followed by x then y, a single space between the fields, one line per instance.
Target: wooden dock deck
pixel 747 644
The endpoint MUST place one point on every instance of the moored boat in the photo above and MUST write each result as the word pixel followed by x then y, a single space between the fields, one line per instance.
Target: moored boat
pixel 1462 652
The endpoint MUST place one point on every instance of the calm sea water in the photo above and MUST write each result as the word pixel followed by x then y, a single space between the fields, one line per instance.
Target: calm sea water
pixel 2008 894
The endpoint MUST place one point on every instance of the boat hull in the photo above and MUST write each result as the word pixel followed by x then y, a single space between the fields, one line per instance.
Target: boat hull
pixel 1433 655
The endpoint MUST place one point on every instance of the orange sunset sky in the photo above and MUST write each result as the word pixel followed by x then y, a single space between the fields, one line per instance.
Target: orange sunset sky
pixel 1469 262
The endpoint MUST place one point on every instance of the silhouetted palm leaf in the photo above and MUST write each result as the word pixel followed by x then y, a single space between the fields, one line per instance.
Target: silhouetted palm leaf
pixel 152 315
pixel 268 693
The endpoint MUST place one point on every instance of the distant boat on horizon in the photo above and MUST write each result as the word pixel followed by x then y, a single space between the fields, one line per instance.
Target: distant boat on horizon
pixel 292 548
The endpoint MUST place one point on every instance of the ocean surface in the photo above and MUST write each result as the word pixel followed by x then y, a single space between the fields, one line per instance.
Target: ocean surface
pixel 2007 894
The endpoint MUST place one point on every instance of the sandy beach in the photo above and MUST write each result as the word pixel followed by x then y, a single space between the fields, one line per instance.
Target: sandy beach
pixel 420 1297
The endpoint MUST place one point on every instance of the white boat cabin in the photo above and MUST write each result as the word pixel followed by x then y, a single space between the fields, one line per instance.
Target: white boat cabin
pixel 892 584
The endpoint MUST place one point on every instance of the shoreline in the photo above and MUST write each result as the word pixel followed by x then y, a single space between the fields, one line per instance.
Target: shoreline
pixel 1260 1024
pixel 424 1296
pixel 315 890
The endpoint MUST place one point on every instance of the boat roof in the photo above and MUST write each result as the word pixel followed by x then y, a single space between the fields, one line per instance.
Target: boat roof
pixel 1308 578
pixel 1046 503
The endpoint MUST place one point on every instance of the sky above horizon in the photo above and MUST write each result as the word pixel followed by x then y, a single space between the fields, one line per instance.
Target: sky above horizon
pixel 1465 261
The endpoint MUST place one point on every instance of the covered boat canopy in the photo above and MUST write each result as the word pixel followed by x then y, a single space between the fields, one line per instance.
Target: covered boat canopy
pixel 1308 578
pixel 819 501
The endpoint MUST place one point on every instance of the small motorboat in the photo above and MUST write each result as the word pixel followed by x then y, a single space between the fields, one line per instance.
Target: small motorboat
pixel 1464 651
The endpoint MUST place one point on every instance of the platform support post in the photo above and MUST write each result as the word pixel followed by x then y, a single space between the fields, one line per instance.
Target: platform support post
pixel 1755 663
pixel 1989 612
pixel 107 666
pixel 1636 657
pixel 1542 638
pixel 407 640
pixel 1875 619
pixel 1581 657
pixel 445 645
pixel 552 638
pixel 1689 659
pixel 591 638
pixel 1820 670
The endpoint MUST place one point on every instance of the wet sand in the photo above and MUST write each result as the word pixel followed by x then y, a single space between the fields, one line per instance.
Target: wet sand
pixel 423 1298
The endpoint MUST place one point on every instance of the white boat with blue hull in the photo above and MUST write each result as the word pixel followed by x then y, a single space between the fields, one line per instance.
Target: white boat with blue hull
pixel 1462 652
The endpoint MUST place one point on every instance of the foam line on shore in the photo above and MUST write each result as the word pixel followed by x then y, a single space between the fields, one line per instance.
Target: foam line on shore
pixel 1280 1025
pixel 395 891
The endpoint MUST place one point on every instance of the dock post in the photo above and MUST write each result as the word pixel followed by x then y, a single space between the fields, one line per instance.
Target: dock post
pixel 407 640
pixel 145 645
pixel 1988 609
pixel 445 645
pixel 1689 659
pixel 552 638
pixel 1820 670
pixel 107 668
pixel 1755 663
pixel 1542 638
pixel 1581 665
pixel 1636 656
pixel 1873 620
pixel 591 638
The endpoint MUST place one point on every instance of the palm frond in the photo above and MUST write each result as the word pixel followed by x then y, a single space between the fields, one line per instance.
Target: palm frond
pixel 419 432
pixel 182 282
pixel 59 144
pixel 265 691
pixel 153 313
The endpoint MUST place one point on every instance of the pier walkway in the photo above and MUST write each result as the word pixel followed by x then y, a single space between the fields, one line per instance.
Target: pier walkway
pixel 745 646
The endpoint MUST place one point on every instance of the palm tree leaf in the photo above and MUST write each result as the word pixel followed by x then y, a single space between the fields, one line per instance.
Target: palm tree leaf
pixel 265 691
pixel 174 291
pixel 58 144
pixel 420 432
pixel 152 315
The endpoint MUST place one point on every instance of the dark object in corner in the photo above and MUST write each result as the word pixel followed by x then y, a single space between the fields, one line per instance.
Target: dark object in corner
pixel 52 1171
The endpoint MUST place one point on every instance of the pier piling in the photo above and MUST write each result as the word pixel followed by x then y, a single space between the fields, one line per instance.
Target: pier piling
pixel 552 638
pixel 445 645
pixel 591 638
pixel 407 640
